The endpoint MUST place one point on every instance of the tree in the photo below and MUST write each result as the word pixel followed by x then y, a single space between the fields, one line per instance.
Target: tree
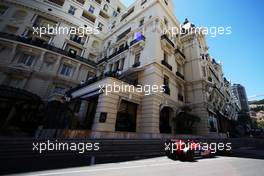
pixel 185 120
pixel 260 123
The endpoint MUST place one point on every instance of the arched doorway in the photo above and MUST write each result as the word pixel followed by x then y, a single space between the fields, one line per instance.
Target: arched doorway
pixel 165 125
pixel 126 117
pixel 58 115
pixel 20 112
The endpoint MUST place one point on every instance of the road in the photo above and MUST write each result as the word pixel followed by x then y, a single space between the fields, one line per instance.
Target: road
pixel 161 166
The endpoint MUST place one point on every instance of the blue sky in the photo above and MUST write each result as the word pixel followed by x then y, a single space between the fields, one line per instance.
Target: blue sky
pixel 240 52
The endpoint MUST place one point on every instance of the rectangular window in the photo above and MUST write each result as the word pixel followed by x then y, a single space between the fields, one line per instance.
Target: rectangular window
pixel 113 25
pixel 137 58
pixel 10 29
pixel 108 44
pixel 166 80
pixel 115 66
pixel 115 13
pixel 3 9
pixel 166 85
pixel 179 68
pixel 141 22
pixel 165 57
pixel 118 9
pixel 66 70
pixel 72 10
pixel 122 64
pixel 204 71
pixel 212 124
pixel 110 67
pixel 59 90
pixel 100 26
pixel 166 22
pixel 26 60
pixel 91 9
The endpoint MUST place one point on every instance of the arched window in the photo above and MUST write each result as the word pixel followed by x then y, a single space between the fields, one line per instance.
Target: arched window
pixel 105 7
pixel 95 44
pixel 19 15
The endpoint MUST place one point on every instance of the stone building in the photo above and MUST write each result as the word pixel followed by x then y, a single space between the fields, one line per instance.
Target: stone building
pixel 135 47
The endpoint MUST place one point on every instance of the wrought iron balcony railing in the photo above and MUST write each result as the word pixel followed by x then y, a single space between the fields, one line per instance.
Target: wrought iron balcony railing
pixel 32 42
pixel 140 38
pixel 165 37
pixel 166 64
pixel 180 75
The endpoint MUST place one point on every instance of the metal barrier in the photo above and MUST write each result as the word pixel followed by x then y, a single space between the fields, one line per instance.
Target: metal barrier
pixel 18 155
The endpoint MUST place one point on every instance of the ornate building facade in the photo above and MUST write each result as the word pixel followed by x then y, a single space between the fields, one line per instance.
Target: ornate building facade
pixel 134 46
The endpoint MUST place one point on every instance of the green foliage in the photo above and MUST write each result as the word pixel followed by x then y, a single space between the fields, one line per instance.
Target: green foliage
pixel 257 102
pixel 260 124
pixel 185 121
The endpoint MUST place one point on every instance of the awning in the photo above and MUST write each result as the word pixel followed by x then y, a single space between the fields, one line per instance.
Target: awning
pixel 130 71
pixel 91 94
pixel 16 94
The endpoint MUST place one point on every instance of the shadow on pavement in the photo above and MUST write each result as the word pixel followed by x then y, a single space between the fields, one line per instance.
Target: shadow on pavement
pixel 31 165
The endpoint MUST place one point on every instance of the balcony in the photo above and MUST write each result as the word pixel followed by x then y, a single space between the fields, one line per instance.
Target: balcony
pixel 77 39
pixel 130 11
pixel 119 51
pixel 180 97
pixel 166 38
pixel 167 90
pixel 138 39
pixel 88 16
pixel 95 79
pixel 98 1
pixel 57 2
pixel 163 62
pixel 137 64
pixel 177 51
pixel 45 22
pixel 180 75
pixel 104 14
pixel 114 54
pixel 29 41
pixel 81 1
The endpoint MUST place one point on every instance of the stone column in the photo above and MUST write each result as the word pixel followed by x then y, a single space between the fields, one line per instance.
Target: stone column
pixel 57 65
pixel 76 72
pixel 108 104
pixel 149 121
pixel 40 60
pixel 12 54
pixel 83 111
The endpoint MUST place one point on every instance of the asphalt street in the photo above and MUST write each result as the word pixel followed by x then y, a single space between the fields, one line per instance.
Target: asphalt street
pixel 161 166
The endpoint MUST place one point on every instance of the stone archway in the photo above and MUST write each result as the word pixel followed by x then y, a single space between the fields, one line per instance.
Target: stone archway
pixel 165 121
pixel 126 119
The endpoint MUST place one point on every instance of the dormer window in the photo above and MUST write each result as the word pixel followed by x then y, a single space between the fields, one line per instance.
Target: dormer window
pixel 106 7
